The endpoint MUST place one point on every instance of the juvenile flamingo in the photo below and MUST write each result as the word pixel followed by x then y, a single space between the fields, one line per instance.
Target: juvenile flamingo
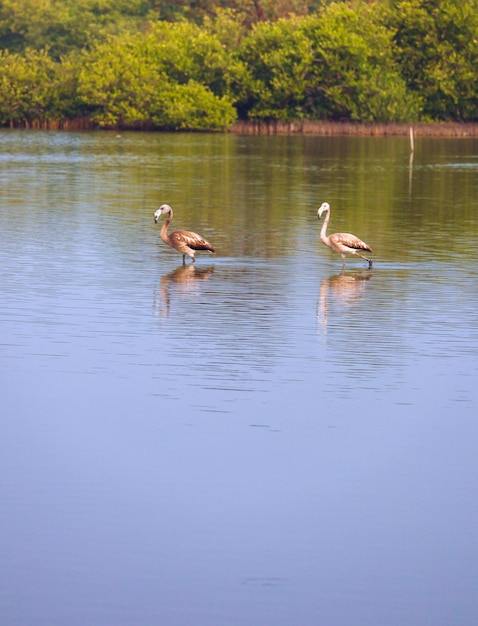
pixel 183 241
pixel 343 243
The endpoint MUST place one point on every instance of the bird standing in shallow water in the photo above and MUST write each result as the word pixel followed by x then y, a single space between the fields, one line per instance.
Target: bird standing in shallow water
pixel 343 243
pixel 183 241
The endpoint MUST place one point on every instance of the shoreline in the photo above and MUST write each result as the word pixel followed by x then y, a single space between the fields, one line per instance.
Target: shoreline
pixel 299 127
pixel 373 129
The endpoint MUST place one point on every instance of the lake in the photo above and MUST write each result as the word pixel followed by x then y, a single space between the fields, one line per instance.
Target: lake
pixel 259 439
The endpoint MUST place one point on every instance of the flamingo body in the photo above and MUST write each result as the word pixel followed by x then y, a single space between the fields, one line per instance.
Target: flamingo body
pixel 342 243
pixel 185 242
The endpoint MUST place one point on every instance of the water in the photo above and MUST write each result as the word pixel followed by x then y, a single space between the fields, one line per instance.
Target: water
pixel 260 438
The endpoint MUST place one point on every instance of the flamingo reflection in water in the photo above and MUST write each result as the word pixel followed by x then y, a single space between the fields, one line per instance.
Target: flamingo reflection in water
pixel 344 290
pixel 184 281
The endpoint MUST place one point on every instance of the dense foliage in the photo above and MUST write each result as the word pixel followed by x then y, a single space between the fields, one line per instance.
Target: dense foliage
pixel 202 65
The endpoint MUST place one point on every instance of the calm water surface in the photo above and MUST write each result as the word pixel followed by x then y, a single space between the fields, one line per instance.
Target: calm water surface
pixel 257 440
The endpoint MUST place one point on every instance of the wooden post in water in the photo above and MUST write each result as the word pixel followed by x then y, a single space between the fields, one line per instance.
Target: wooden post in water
pixel 410 163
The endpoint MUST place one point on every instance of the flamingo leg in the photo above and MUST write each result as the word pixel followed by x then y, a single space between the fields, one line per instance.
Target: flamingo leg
pixel 365 259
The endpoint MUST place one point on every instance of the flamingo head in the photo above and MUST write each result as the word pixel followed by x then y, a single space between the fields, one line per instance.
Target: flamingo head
pixel 165 208
pixel 325 207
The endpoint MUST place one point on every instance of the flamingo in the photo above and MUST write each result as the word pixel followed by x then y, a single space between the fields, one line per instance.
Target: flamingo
pixel 343 243
pixel 183 241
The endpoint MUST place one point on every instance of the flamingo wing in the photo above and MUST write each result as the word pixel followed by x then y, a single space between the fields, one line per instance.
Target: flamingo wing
pixel 186 239
pixel 349 241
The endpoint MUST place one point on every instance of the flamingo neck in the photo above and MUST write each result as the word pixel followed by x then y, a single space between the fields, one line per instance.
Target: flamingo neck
pixel 164 229
pixel 323 230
